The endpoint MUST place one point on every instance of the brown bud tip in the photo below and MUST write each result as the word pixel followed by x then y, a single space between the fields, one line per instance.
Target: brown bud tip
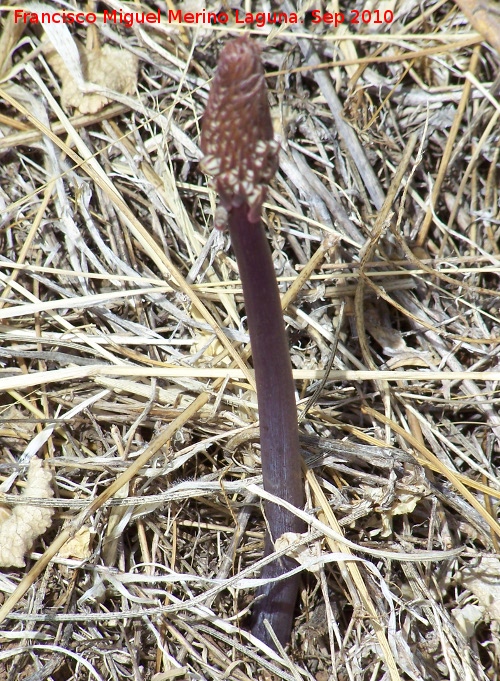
pixel 237 132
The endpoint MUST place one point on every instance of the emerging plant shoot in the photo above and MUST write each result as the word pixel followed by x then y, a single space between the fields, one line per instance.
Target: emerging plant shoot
pixel 241 154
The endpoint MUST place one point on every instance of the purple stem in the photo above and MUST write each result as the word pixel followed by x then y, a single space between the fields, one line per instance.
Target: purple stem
pixel 279 438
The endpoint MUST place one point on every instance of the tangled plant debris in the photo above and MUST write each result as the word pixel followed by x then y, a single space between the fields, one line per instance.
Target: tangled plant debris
pixel 122 313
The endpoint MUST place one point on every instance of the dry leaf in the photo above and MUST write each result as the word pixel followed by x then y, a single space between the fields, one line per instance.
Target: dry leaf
pixel 15 428
pixel 394 499
pixel 378 325
pixel 483 579
pixel 77 548
pixel 302 554
pixel 19 531
pixel 109 67
pixel 467 618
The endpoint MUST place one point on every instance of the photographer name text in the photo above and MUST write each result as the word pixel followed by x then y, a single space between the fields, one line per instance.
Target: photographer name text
pixel 237 17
